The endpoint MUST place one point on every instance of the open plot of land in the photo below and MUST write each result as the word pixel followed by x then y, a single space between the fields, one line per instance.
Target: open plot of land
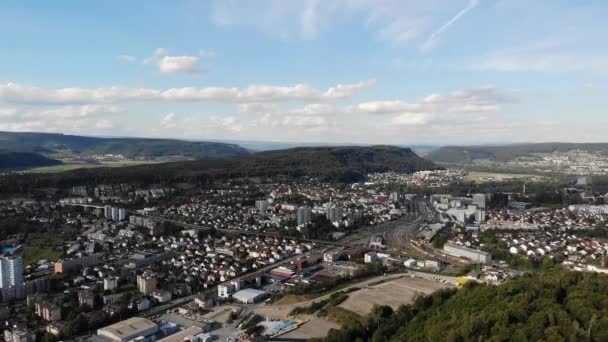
pixel 74 165
pixel 315 328
pixel 499 177
pixel 47 246
pixel 274 311
pixel 293 299
pixel 222 314
pixel 393 293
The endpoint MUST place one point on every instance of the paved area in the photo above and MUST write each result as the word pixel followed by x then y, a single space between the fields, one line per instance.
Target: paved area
pixel 392 292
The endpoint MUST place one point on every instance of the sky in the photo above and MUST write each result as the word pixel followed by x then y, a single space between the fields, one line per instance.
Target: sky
pixel 325 71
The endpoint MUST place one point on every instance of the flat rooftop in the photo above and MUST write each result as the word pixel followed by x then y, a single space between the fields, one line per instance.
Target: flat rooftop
pixel 128 328
pixel 248 294
pixel 183 335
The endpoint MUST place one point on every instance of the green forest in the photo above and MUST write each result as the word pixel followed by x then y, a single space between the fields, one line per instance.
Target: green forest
pixel 550 306
pixel 337 164
pixel 467 154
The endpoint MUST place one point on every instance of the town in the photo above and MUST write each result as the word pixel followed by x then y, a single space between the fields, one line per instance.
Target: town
pixel 117 262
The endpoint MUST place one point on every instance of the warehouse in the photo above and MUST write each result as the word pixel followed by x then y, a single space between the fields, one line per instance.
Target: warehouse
pixel 468 253
pixel 250 296
pixel 129 329
pixel 190 334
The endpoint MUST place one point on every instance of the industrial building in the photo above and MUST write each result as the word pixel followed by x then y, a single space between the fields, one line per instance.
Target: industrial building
pixel 250 296
pixel 467 253
pixel 192 334
pixel 129 329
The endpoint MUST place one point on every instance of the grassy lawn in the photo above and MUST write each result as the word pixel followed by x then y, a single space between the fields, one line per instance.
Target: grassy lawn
pixel 34 254
pixel 45 246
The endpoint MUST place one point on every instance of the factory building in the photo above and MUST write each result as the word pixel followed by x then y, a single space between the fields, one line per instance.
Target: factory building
pixel 468 253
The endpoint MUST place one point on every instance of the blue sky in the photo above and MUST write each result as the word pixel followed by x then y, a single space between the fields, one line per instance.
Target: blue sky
pixel 383 71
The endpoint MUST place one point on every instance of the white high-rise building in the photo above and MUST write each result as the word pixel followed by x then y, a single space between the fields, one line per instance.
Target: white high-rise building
pixel 12 271
pixel 110 283
pixel 333 213
pixel 480 200
pixel 304 215
pixel 261 205
pixel 115 215
pixel 11 278
pixel 122 214
pixel 107 212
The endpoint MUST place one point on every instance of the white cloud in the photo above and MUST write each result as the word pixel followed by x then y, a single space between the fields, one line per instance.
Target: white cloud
pixel 70 119
pixel 432 40
pixel 544 59
pixel 303 121
pixel 79 111
pixel 395 21
pixel 7 112
pixel 308 21
pixel 127 58
pixel 411 119
pixel 229 123
pixel 258 107
pixel 168 121
pixel 179 64
pixel 18 93
pixel 286 120
pixel 170 64
pixel 104 124
pixel 14 92
pixel 402 31
pixel 314 109
pixel 466 105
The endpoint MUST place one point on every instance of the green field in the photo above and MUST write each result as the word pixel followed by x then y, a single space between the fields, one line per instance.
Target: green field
pixel 46 246
pixel 478 176
pixel 74 165
pixel 34 254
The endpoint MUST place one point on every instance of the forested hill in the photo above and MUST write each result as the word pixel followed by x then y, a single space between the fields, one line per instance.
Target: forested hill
pixel 344 162
pixel 50 143
pixel 467 154
pixel 337 164
pixel 555 306
pixel 17 160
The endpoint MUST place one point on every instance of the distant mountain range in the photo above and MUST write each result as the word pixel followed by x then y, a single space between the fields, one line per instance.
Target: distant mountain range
pixel 20 151
pixel 44 149
pixel 23 160
pixel 258 146
pixel 504 153
pixel 336 164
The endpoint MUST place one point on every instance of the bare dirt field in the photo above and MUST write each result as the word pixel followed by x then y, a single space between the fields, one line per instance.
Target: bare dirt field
pixel 392 293
pixel 316 327
pixel 271 311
